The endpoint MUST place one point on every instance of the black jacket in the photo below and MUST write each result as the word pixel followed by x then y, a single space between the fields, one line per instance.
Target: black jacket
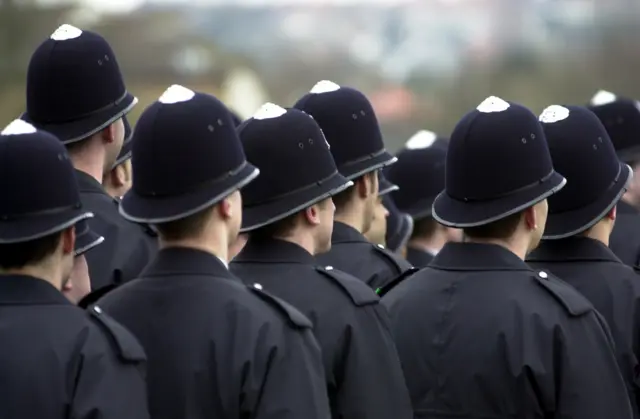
pixel 352 253
pixel 364 376
pixel 217 348
pixel 58 361
pixel 482 335
pixel 612 287
pixel 127 247
pixel 418 258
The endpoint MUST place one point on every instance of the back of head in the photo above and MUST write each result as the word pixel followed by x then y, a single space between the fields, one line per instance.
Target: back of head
pixel 498 164
pixel 296 166
pixel 583 153
pixel 32 218
pixel 351 127
pixel 187 158
pixel 74 85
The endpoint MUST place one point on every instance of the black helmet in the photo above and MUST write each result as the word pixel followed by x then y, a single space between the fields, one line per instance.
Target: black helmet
pixel 187 157
pixel 498 163
pixel 296 166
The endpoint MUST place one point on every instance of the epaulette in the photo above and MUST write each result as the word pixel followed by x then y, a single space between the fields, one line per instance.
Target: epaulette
pixel 575 304
pixel 404 275
pixel 358 291
pixel 295 317
pixel 400 264
pixel 94 296
pixel 127 347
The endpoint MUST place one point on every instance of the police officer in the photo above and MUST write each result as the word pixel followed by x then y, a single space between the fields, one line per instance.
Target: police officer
pixel 79 283
pixel 377 232
pixel 399 228
pixel 350 125
pixel 75 91
pixel 56 360
pixel 419 173
pixel 581 217
pixel 497 338
pixel 117 180
pixel 217 348
pixel 621 118
pixel 289 220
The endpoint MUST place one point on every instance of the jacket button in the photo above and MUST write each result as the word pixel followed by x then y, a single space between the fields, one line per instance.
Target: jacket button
pixel 543 275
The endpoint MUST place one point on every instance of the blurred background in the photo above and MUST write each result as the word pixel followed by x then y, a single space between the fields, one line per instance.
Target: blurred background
pixel 423 63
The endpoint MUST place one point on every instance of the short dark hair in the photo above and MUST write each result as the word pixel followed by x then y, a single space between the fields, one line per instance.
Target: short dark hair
pixel 282 228
pixel 278 229
pixel 77 146
pixel 342 199
pixel 184 228
pixel 424 228
pixel 19 255
pixel 501 229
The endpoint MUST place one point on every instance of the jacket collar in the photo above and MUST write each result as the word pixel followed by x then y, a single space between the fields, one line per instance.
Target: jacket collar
pixel 624 208
pixel 274 251
pixel 28 290
pixel 87 184
pixel 572 249
pixel 419 255
pixel 186 261
pixel 477 257
pixel 344 233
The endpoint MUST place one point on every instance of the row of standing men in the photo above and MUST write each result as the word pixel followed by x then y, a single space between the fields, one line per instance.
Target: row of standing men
pixel 313 317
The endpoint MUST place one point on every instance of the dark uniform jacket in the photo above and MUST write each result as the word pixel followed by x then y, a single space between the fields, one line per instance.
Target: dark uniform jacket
pixel 352 253
pixel 612 287
pixel 126 249
pixel 625 239
pixel 364 376
pixel 482 335
pixel 418 258
pixel 58 361
pixel 216 348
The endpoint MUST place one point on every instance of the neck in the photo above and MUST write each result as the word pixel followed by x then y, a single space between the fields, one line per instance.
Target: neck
pixel 352 218
pixel 428 244
pixel 47 272
pixel 216 246
pixel 629 199
pixel 516 247
pixel 90 161
pixel 302 239
pixel 600 232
